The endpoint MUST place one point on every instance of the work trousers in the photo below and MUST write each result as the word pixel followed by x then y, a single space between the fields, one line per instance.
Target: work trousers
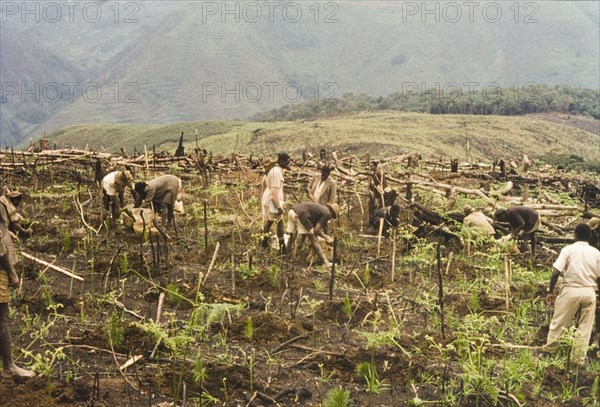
pixel 568 302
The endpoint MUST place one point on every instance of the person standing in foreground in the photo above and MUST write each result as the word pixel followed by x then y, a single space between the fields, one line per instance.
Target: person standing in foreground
pixel 579 264
pixel 272 200
pixel 8 260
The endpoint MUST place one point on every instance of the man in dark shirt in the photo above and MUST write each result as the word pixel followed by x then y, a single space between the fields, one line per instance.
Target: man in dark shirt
pixel 161 192
pixel 310 219
pixel 390 216
pixel 523 221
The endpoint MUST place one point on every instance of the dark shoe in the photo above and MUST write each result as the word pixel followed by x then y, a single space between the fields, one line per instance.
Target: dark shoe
pixel 265 243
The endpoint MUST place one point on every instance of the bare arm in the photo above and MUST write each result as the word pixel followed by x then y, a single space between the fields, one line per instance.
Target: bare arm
pixel 275 197
pixel 516 224
pixel 318 230
pixel 553 281
pixel 333 196
pixel 10 270
pixel 17 227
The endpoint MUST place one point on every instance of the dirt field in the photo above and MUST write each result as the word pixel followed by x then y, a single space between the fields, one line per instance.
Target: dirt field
pixel 261 329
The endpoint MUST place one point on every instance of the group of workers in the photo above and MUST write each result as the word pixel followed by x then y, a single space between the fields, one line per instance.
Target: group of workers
pixel 307 219
pixel 578 263
pixel 160 193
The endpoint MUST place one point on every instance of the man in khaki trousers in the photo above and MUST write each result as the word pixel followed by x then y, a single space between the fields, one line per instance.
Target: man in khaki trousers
pixel 579 264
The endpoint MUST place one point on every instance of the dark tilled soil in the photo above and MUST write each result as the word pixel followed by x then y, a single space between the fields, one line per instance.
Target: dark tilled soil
pixel 287 341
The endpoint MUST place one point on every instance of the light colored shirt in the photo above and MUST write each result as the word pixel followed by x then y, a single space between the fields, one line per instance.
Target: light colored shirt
pixel 319 190
pixel 109 185
pixel 480 223
pixel 273 179
pixel 580 264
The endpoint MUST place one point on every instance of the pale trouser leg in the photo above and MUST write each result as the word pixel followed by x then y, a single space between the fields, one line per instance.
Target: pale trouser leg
pixel 564 311
pixel 585 326
pixel 567 304
pixel 291 230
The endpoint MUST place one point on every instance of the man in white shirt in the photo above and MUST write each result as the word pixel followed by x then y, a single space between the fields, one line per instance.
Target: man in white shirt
pixel 272 200
pixel 579 264
pixel 113 188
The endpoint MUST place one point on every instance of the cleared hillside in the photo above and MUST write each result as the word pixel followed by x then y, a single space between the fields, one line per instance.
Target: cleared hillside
pixel 382 133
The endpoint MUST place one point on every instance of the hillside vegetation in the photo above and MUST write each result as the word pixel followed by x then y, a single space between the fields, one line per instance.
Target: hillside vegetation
pixel 381 133
pixel 512 101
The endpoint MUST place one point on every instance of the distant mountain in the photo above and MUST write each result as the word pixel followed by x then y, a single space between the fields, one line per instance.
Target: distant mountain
pixel 32 86
pixel 195 60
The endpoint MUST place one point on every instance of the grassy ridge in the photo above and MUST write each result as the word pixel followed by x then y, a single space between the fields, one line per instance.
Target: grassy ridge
pixel 382 133
pixel 113 137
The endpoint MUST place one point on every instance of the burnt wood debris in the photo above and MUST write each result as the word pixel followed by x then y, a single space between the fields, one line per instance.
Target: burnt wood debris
pixel 430 193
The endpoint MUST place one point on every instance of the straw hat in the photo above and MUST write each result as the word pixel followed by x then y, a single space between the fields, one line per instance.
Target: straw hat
pixel 335 208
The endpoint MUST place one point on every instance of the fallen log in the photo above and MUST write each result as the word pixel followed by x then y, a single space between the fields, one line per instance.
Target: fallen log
pixel 52 266
pixel 504 190
pixel 340 166
pixel 449 189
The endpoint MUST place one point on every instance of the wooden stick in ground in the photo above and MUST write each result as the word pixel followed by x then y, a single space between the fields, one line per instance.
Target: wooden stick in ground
pixel 205 228
pixel 393 255
pixel 52 266
pixel 233 273
pixel 440 286
pixel 506 280
pixel 146 156
pixel 449 262
pixel 212 263
pixel 130 362
pixel 362 210
pixel 379 235
pixel 161 299
pixel 112 348
pixel 332 278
